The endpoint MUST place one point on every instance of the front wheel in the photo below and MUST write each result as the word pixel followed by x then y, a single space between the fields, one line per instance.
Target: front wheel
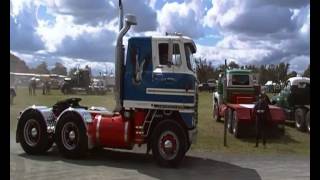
pixel 71 137
pixel 32 133
pixel 169 144
pixel 228 117
pixel 236 129
pixel 299 117
pixel 308 121
pixel 216 116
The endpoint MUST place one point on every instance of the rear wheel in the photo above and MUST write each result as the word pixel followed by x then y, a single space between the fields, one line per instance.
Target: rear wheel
pixel 236 129
pixel 32 133
pixel 308 121
pixel 228 118
pixel 299 116
pixel 216 116
pixel 71 137
pixel 168 143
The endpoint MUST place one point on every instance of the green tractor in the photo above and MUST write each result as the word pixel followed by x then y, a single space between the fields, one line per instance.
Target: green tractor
pixel 295 100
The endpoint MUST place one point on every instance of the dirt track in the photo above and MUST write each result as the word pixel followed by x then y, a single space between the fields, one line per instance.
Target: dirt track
pixel 111 164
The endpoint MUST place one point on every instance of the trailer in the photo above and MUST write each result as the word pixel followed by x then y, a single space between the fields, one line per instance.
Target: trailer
pixel 156 104
pixel 234 101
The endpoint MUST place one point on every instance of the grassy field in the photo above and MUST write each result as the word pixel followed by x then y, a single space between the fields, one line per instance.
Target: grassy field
pixel 210 133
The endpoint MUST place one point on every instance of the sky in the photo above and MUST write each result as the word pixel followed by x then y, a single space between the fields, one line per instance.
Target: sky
pixel 83 32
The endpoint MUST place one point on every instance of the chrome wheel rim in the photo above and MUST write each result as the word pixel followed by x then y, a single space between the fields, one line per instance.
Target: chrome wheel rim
pixel 70 135
pixel 168 145
pixel 31 132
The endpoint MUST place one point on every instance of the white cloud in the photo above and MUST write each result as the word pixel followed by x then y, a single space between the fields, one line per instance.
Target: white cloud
pixel 23 25
pixel 299 63
pixel 185 18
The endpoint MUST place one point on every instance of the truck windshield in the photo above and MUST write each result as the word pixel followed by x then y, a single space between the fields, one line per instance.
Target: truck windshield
pixel 189 57
pixel 240 80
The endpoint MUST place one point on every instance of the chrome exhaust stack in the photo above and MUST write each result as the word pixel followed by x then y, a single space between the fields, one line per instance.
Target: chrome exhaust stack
pixel 119 57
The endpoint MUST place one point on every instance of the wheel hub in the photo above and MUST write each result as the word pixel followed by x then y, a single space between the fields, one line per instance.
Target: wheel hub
pixel 72 135
pixel 34 132
pixel 168 144
pixel 31 132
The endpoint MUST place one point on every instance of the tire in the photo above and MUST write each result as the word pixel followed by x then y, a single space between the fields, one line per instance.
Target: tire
pixel 299 117
pixel 236 129
pixel 308 121
pixel 70 137
pixel 216 116
pixel 32 133
pixel 172 133
pixel 228 117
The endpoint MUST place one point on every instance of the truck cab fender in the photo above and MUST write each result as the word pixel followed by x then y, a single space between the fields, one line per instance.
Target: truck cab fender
pixel 174 117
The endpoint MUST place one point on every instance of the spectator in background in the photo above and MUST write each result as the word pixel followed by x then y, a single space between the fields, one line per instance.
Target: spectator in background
pixel 262 114
pixel 12 95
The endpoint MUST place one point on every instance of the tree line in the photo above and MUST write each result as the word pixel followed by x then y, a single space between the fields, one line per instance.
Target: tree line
pixel 18 65
pixel 272 72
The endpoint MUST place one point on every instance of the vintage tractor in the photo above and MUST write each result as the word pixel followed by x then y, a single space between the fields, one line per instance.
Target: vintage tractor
pixel 234 100
pixel 156 104
pixel 295 100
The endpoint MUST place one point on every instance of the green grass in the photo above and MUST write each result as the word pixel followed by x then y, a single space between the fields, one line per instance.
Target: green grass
pixel 210 133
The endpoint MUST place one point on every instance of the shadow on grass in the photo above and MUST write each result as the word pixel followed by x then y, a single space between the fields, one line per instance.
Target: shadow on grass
pixel 190 168
pixel 284 139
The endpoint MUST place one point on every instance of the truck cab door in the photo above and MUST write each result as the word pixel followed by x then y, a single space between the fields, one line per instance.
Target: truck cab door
pixel 162 74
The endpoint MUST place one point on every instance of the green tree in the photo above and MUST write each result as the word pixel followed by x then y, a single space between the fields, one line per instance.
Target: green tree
pixel 41 69
pixel 18 65
pixel 233 65
pixel 204 70
pixel 59 69
pixel 292 74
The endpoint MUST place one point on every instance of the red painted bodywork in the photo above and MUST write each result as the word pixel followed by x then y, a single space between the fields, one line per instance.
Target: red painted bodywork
pixel 242 98
pixel 138 123
pixel 116 131
pixel 245 113
pixel 113 131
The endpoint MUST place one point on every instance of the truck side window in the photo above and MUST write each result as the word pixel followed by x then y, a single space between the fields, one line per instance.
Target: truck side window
pixel 163 53
pixel 176 56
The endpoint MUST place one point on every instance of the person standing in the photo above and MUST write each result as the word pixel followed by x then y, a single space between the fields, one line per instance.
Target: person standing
pixel 34 86
pixel 44 88
pixel 12 95
pixel 261 113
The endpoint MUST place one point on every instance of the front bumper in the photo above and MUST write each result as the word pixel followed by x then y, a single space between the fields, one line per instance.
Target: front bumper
pixel 193 134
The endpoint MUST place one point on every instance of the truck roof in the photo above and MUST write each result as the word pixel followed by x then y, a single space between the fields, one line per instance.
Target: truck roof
pixel 239 71
pixel 297 80
pixel 184 39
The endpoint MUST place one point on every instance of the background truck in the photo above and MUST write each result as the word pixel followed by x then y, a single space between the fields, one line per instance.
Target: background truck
pixel 295 100
pixel 97 87
pixel 79 81
pixel 156 104
pixel 235 100
pixel 210 86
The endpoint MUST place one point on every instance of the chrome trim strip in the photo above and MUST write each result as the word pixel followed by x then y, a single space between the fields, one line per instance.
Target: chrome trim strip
pixel 98 129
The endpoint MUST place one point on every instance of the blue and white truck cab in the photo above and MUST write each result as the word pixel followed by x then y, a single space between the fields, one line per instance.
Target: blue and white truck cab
pixel 159 75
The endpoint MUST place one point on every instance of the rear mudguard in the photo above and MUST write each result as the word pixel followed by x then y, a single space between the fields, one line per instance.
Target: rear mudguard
pixel 47 116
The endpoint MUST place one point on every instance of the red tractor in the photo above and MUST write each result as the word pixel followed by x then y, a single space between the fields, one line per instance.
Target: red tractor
pixel 234 100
